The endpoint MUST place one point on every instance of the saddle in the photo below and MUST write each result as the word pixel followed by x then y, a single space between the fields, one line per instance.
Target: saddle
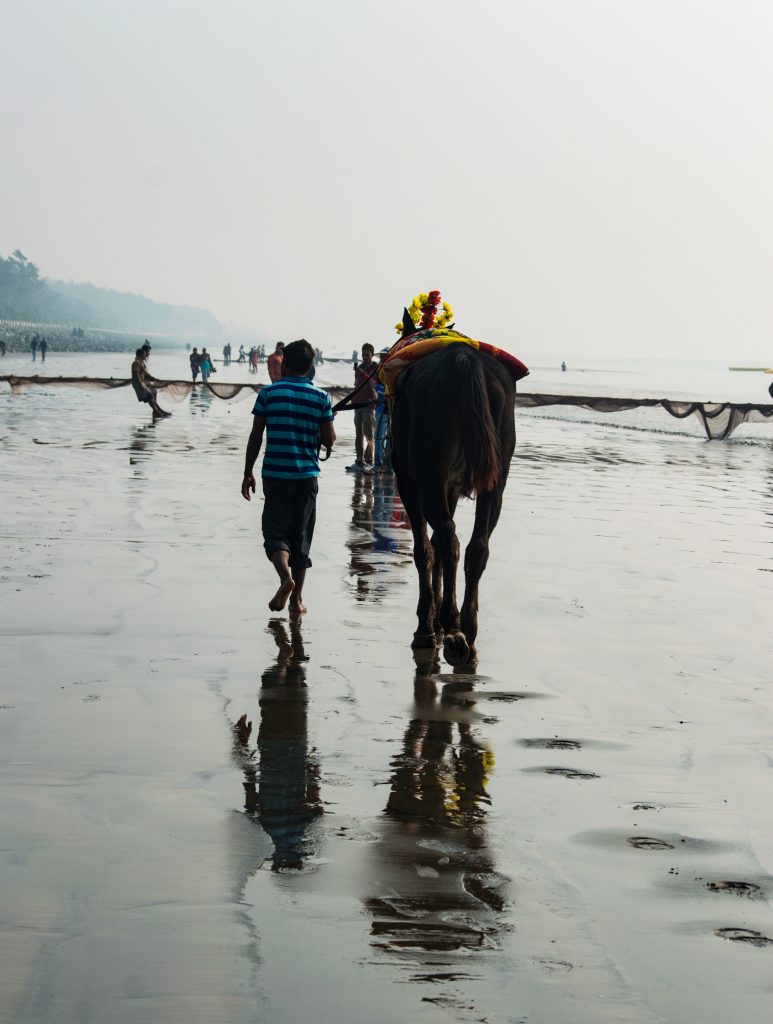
pixel 423 343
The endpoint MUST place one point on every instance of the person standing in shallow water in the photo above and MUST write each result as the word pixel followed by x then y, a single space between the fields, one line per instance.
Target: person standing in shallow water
pixel 364 402
pixel 274 363
pixel 295 416
pixel 142 384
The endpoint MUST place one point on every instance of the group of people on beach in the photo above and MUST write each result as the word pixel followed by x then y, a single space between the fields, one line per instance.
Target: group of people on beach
pixel 201 363
pixel 38 344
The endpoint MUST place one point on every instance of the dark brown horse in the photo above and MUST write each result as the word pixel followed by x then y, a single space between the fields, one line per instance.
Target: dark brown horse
pixel 453 434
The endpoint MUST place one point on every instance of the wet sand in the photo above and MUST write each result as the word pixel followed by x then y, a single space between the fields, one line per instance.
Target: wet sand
pixel 578 831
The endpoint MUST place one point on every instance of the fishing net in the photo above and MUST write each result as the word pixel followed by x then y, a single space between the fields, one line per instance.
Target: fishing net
pixel 175 390
pixel 719 419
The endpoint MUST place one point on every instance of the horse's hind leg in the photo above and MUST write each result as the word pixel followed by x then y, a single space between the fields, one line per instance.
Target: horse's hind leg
pixel 487 510
pixel 437 580
pixel 423 560
pixel 446 543
pixel 438 587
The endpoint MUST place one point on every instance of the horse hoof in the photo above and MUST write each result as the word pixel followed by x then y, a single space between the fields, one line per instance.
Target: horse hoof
pixel 423 640
pixel 456 650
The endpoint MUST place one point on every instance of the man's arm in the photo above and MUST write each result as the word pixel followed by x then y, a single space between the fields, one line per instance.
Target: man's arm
pixel 327 435
pixel 253 450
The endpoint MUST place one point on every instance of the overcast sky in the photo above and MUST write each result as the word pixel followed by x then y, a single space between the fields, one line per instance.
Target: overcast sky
pixel 576 176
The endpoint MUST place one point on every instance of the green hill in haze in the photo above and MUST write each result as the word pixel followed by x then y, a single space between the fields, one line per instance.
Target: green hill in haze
pixel 126 311
pixel 26 296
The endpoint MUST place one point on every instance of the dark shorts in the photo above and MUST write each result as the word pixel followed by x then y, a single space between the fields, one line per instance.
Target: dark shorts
pixel 143 395
pixel 289 515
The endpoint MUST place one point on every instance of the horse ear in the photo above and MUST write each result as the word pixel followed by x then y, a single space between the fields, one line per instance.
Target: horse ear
pixel 409 327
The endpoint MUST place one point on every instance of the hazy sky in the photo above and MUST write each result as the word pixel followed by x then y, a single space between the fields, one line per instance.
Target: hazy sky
pixel 576 176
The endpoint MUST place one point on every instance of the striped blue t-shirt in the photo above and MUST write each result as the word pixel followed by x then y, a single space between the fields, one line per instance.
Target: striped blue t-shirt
pixel 293 409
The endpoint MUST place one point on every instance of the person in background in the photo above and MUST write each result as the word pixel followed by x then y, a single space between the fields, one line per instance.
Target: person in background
pixel 296 417
pixel 43 346
pixel 142 382
pixel 205 365
pixel 34 348
pixel 274 362
pixel 382 464
pixel 242 356
pixel 2 348
pixel 194 359
pixel 226 354
pixel 254 359
pixel 364 417
pixel 563 367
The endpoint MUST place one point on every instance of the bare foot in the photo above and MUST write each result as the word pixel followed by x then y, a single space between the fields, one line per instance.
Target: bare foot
pixel 279 600
pixel 297 607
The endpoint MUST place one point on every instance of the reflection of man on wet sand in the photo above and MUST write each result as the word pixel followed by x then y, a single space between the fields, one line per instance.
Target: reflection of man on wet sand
pixel 296 417
pixel 283 793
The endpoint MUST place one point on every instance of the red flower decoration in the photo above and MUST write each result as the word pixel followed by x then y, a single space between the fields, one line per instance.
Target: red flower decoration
pixel 429 311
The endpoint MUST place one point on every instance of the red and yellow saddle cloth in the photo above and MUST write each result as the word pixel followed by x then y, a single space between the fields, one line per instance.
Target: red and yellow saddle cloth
pixel 416 346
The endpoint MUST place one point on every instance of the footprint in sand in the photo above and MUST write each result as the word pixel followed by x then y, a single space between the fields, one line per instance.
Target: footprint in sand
pixel 553 744
pixel 648 843
pixel 745 935
pixel 571 773
pixel 736 888
pixel 555 966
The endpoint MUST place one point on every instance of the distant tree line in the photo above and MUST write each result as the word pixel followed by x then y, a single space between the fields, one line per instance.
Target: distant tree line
pixel 26 296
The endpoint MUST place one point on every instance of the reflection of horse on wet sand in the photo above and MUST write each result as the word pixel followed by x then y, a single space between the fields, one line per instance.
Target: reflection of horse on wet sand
pixel 438 908
pixel 453 434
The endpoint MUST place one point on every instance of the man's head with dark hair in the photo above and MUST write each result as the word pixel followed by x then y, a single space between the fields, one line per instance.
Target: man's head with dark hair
pixel 298 357
pixel 368 351
pixel 280 345
pixel 140 353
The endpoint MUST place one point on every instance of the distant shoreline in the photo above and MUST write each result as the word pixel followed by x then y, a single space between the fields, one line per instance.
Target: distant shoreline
pixel 18 337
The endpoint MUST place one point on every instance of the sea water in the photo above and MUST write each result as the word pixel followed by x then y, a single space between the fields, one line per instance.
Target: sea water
pixel 675 379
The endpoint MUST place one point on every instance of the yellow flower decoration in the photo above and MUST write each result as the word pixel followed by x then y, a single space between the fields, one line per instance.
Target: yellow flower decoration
pixel 423 309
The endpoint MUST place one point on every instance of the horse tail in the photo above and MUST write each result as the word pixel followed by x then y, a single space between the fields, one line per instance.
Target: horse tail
pixel 480 441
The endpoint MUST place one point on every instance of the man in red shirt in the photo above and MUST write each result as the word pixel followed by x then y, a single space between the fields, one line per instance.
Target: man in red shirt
pixel 274 362
pixel 364 411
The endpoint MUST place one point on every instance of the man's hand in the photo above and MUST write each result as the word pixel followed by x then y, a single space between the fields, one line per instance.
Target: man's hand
pixel 248 484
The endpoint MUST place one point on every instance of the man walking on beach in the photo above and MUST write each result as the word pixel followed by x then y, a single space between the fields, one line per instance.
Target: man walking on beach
pixel 364 411
pixel 295 416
